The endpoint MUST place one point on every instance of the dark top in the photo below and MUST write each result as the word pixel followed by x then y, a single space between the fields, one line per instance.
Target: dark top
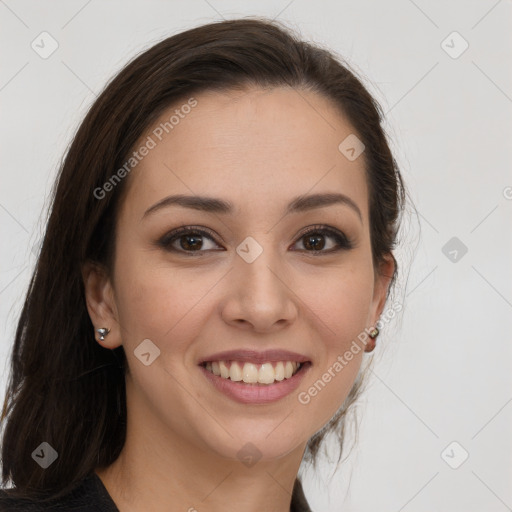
pixel 92 496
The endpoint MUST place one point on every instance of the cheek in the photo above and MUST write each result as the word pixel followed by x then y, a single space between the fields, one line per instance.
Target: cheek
pixel 155 302
pixel 340 301
pixel 340 308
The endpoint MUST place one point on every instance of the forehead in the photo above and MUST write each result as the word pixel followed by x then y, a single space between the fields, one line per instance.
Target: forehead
pixel 256 148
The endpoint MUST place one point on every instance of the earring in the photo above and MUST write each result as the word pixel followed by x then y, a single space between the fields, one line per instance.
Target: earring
pixel 374 333
pixel 370 346
pixel 102 332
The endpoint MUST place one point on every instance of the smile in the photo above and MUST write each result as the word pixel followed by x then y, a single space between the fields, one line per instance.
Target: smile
pixel 232 377
pixel 250 373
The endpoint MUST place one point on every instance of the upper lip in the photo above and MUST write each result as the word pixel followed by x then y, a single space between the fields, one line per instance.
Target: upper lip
pixel 254 356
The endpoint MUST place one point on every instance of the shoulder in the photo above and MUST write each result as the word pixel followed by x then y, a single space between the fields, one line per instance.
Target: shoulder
pixel 299 502
pixel 88 496
pixel 19 504
pixel 8 502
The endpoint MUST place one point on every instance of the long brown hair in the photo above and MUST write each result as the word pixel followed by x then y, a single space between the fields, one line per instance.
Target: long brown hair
pixel 64 388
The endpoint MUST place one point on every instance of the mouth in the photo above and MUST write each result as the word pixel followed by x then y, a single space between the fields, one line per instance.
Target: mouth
pixel 255 383
pixel 247 372
pixel 253 376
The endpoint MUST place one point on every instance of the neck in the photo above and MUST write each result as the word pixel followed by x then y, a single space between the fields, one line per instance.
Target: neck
pixel 160 471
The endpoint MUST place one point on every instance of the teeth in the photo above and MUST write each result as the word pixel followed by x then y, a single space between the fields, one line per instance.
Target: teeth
pixel 224 370
pixel 251 373
pixel 235 372
pixel 279 371
pixel 266 374
pixel 215 368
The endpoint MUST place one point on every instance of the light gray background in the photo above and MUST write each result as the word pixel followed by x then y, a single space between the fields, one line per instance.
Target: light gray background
pixel 443 372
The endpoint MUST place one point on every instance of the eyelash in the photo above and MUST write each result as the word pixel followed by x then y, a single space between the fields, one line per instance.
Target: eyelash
pixel 343 242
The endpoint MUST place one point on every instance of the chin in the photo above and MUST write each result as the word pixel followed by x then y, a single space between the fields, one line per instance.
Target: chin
pixel 250 444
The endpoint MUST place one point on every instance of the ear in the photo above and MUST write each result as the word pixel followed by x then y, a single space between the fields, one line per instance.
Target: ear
pixel 383 275
pixel 101 305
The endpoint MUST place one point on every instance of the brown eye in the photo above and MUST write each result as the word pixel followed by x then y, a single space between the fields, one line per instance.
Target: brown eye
pixel 314 240
pixel 188 240
pixel 191 241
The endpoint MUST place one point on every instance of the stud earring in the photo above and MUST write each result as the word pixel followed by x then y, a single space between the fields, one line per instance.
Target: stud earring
pixel 102 332
pixel 370 345
pixel 374 333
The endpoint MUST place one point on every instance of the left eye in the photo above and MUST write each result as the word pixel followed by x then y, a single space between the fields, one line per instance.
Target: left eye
pixel 313 238
pixel 190 240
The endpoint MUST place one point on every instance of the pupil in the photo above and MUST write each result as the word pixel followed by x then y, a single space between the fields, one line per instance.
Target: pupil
pixel 317 242
pixel 196 239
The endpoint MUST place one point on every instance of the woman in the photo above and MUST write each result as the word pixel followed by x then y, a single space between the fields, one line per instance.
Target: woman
pixel 216 261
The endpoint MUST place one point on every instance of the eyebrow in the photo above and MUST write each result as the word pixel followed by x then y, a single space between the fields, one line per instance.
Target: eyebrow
pixel 216 205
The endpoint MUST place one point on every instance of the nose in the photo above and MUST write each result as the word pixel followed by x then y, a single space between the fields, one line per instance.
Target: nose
pixel 258 297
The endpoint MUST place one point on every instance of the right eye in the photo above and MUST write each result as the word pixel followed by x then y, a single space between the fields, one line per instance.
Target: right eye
pixel 189 240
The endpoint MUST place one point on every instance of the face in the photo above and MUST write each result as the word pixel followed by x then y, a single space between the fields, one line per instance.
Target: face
pixel 250 280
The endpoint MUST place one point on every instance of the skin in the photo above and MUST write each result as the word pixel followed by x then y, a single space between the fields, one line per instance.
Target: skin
pixel 258 149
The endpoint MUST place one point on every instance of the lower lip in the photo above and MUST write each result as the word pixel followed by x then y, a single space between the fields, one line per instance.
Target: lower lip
pixel 256 393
